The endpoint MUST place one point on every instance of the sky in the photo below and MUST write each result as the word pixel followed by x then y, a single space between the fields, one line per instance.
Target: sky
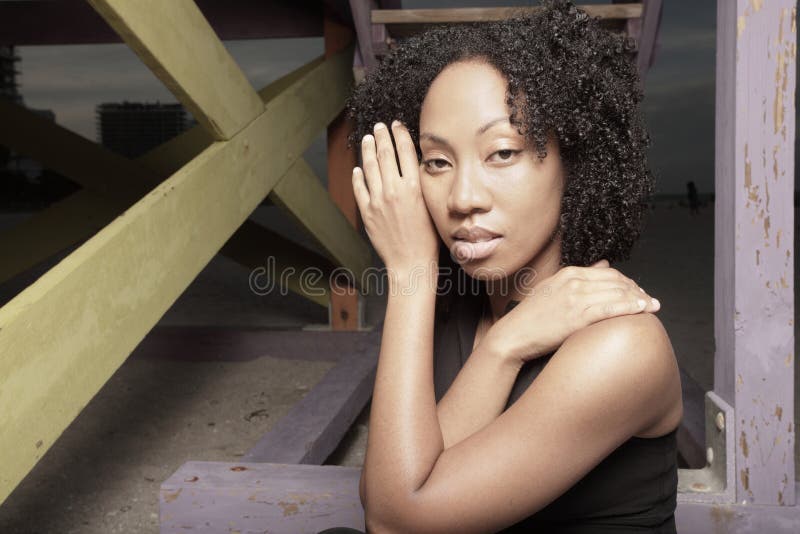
pixel 679 92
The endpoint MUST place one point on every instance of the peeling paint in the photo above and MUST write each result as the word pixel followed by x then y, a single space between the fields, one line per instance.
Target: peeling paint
pixel 289 508
pixel 743 444
pixel 745 475
pixel 756 5
pixel 740 24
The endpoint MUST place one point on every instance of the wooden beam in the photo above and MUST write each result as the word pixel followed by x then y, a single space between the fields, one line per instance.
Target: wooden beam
pixel 63 336
pixel 268 255
pixel 483 14
pixel 113 183
pixel 319 421
pixel 214 497
pixel 302 196
pixel 177 43
pixel 41 22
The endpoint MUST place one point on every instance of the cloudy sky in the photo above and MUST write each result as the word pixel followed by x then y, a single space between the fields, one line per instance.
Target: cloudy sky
pixel 679 103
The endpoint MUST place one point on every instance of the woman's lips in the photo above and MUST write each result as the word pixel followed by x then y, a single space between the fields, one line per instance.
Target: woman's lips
pixel 465 251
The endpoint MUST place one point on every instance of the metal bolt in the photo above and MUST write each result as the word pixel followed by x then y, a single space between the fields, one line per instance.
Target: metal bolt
pixel 710 455
pixel 720 420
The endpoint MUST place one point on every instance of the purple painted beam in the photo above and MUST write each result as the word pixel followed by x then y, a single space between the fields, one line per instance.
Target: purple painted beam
pixel 41 22
pixel 754 235
pixel 214 497
pixel 699 518
pixel 313 428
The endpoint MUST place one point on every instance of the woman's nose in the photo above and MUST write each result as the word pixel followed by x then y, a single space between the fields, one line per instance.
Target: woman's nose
pixel 469 192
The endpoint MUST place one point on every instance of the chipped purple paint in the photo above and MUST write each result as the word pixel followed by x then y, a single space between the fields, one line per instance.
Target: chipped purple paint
pixel 754 235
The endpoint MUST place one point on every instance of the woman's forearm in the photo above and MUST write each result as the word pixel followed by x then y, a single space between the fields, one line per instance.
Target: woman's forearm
pixel 478 394
pixel 404 439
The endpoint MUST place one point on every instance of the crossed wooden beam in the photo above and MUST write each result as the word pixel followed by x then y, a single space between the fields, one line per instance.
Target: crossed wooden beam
pixel 162 217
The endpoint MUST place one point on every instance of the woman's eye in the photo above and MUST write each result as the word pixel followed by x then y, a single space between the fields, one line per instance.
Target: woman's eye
pixel 435 164
pixel 507 154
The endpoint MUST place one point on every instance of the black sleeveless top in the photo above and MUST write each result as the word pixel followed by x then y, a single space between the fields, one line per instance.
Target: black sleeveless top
pixel 634 489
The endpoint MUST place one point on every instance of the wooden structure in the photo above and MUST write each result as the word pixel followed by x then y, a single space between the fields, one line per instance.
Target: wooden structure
pixel 159 219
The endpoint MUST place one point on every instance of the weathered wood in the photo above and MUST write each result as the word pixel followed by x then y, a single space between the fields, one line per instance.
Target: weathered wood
pixel 23 22
pixel 113 183
pixel 405 22
pixel 300 193
pixel 63 336
pixel 231 343
pixel 754 236
pixel 214 497
pixel 177 43
pixel 312 430
pixel 270 256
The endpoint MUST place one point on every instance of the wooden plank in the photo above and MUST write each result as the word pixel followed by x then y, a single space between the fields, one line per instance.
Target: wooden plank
pixel 313 428
pixel 214 497
pixel 300 193
pixel 754 242
pixel 346 308
pixel 177 43
pixel 481 14
pixel 23 22
pixel 232 343
pixel 63 336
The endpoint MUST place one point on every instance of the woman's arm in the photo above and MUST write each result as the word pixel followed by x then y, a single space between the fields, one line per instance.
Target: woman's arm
pixel 478 394
pixel 405 438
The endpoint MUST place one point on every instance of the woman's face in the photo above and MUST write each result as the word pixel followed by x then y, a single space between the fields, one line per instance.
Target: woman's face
pixel 477 171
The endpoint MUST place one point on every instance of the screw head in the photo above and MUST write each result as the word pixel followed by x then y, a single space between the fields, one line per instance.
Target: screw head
pixel 710 455
pixel 720 421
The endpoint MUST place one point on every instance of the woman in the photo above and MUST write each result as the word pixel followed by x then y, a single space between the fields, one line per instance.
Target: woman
pixel 520 157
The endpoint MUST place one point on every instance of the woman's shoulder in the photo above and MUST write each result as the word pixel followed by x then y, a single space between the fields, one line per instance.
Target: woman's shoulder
pixel 633 354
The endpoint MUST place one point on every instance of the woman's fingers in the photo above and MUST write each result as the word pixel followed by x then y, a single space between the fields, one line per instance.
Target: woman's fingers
pixel 409 164
pixel 386 157
pixel 372 171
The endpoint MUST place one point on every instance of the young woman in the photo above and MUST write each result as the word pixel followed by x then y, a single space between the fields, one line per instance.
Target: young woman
pixel 515 152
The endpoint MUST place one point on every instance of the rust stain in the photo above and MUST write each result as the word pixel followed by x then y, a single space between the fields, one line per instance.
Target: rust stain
pixel 766 227
pixel 747 169
pixel 758 257
pixel 743 444
pixel 780 498
pixel 721 517
pixel 238 468
pixel 289 508
pixel 783 282
pixel 756 5
pixel 778 238
pixel 745 473
pixel 169 497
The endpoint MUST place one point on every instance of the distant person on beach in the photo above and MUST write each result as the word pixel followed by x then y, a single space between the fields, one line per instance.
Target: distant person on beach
pixel 691 192
pixel 504 150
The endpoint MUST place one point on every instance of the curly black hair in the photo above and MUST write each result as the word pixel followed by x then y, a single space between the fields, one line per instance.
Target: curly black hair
pixel 566 75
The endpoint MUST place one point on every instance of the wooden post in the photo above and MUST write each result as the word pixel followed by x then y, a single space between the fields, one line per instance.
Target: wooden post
pixel 754 236
pixel 345 311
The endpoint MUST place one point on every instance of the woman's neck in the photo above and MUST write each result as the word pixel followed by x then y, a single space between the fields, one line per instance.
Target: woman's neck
pixel 501 293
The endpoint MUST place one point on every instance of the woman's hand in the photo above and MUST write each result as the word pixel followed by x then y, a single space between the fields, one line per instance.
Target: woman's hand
pixel 391 202
pixel 569 300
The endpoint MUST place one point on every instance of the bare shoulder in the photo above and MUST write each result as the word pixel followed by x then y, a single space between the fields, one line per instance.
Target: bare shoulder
pixel 633 353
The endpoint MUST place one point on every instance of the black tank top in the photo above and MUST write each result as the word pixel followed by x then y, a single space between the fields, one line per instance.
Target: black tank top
pixel 634 489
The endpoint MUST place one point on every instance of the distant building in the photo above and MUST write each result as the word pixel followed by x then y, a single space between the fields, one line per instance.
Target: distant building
pixel 8 74
pixel 133 128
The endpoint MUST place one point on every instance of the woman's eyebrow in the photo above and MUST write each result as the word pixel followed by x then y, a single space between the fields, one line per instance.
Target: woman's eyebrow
pixel 442 141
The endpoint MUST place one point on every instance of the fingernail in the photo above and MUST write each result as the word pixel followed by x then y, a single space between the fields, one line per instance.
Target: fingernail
pixel 368 137
pixel 656 302
pixel 396 123
pixel 379 126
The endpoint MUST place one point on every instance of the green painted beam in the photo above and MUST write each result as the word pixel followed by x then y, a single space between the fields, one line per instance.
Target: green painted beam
pixel 82 214
pixel 64 335
pixel 178 44
pixel 302 196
